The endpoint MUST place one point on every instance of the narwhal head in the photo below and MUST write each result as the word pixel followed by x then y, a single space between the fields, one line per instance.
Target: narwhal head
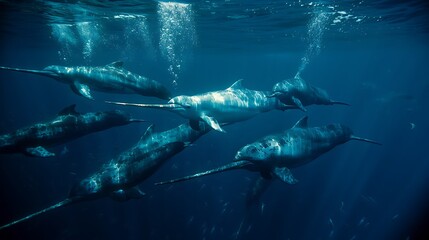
pixel 88 188
pixel 286 87
pixel 252 152
pixel 344 134
pixel 183 103
pixel 321 95
pixel 341 133
pixel 281 87
pixel 57 72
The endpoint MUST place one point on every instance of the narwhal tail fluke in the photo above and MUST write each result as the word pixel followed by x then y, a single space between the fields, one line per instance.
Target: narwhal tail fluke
pixel 39 72
pixel 63 203
pixel 146 105
pixel 226 167
pixel 339 103
pixel 365 140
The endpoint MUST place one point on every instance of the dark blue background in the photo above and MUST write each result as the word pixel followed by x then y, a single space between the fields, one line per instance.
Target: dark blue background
pixel 383 78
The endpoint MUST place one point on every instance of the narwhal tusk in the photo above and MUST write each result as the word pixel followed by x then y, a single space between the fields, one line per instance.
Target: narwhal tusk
pixel 365 140
pixel 60 204
pixel 147 105
pixel 226 167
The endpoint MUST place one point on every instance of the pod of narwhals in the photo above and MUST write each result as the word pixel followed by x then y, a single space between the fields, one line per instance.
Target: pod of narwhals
pixel 272 156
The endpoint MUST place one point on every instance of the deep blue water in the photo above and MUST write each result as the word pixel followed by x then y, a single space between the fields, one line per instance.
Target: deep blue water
pixel 376 59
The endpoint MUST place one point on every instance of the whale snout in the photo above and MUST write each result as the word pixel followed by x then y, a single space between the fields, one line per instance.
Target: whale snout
pixel 280 87
pixel 86 188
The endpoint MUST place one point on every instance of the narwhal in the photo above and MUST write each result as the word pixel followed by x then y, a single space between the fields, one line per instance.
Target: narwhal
pixel 274 155
pixel 110 78
pixel 67 126
pixel 119 177
pixel 217 108
pixel 298 92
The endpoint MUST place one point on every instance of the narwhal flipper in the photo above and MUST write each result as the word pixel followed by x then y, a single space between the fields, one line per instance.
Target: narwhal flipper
pixel 226 167
pixel 81 90
pixel 63 203
pixel 299 104
pixel 285 175
pixel 38 152
pixel 212 122
pixel 274 94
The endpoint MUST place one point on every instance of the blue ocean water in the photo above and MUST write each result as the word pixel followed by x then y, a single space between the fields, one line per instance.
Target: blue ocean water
pixel 373 55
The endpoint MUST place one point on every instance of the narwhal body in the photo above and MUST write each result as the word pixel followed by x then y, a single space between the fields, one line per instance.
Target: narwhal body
pixel 110 78
pixel 67 126
pixel 119 177
pixel 274 155
pixel 298 92
pixel 217 108
pixel 138 163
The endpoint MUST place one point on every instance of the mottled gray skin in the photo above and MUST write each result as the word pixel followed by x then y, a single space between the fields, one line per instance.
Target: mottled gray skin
pixel 306 93
pixel 138 163
pixel 274 154
pixel 111 78
pixel 294 147
pixel 65 127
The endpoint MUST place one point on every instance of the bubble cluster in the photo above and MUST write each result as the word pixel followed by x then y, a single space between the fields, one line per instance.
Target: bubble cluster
pixel 177 34
pixel 316 29
pixel 65 35
pixel 69 35
pixel 89 35
pixel 137 32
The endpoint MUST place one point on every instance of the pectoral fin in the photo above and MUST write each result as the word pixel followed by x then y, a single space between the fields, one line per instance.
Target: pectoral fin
pixel 81 90
pixel 212 123
pixel 285 175
pixel 148 133
pixel 38 152
pixel 127 194
pixel 298 103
